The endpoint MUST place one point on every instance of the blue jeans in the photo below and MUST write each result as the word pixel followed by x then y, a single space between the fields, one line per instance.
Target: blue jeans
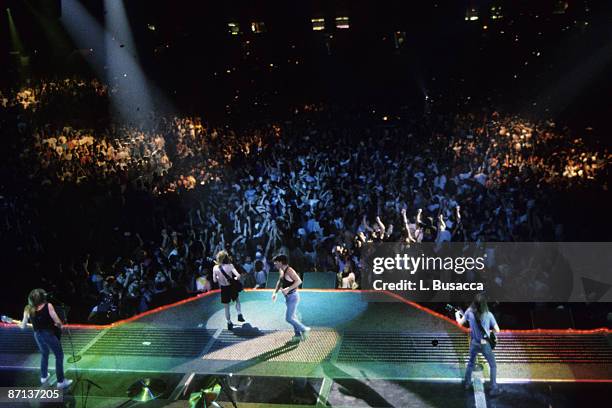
pixel 487 352
pixel 292 301
pixel 46 340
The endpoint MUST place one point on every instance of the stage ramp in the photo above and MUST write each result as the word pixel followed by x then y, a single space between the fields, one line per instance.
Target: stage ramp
pixel 356 336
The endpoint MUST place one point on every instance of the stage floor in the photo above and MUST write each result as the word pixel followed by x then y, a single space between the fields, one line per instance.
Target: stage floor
pixel 370 338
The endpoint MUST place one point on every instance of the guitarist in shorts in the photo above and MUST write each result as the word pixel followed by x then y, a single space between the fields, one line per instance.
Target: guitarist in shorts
pixel 228 278
pixel 481 323
pixel 47 329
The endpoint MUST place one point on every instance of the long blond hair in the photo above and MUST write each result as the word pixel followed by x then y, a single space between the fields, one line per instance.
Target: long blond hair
pixel 222 257
pixel 36 298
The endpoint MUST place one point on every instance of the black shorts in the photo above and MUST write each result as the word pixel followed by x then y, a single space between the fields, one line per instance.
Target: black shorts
pixel 228 294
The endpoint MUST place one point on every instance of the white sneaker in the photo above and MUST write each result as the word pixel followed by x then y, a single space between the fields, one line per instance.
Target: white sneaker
pixel 44 379
pixel 64 384
pixel 306 333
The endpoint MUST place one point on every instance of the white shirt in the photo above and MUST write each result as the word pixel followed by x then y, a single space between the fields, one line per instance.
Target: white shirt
pixel 229 271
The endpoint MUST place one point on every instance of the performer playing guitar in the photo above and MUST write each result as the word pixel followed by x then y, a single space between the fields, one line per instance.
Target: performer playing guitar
pixel 47 330
pixel 482 326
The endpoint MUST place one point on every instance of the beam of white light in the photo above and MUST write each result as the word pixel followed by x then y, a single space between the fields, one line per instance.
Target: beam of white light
pixel 562 93
pixel 118 25
pixel 86 33
pixel 132 99
pixel 116 66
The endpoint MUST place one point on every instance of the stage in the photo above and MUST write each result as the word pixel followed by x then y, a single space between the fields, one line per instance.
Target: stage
pixel 373 343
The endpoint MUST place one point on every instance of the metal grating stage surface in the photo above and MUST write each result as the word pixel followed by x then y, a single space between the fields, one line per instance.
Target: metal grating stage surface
pixel 554 348
pixel 272 345
pixel 350 346
pixel 398 347
pixel 402 347
pixel 152 342
pixel 17 341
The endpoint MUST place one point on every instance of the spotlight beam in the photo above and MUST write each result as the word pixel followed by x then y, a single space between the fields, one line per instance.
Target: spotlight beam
pixel 130 97
pixel 16 43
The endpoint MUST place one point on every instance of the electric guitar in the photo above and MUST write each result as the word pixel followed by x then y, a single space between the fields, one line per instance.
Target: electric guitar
pixel 56 330
pixel 491 338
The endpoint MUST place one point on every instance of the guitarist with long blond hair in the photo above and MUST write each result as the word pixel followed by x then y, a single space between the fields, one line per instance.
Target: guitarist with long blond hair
pixel 47 329
pixel 482 338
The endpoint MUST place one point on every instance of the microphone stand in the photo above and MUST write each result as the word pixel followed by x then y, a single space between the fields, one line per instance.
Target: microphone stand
pixel 64 317
pixel 75 358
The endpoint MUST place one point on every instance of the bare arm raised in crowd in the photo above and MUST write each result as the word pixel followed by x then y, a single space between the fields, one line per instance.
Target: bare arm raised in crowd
pixel 381 225
pixel 407 226
pixel 441 222
pixel 419 216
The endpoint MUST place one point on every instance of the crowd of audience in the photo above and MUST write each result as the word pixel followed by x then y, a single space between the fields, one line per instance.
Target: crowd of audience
pixel 152 203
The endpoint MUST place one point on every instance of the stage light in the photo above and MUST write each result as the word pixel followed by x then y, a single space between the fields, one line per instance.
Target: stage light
pixel 342 22
pixel 318 24
pixel 471 14
pixel 233 28
pixel 258 27
pixel 496 13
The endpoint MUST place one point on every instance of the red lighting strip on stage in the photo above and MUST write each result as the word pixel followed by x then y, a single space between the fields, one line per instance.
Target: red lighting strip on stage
pixel 161 308
pixel 427 310
pixel 601 330
pixel 552 380
pixel 135 317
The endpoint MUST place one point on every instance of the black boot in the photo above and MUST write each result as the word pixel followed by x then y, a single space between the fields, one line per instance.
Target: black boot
pixel 240 318
pixel 230 325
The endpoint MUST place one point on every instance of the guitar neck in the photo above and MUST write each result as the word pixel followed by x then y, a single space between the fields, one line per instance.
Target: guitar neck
pixel 15 322
pixel 453 308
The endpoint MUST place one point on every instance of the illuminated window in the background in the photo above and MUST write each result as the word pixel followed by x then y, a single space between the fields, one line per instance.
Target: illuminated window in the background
pixel 471 14
pixel 233 28
pixel 258 27
pixel 496 13
pixel 318 24
pixel 342 22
